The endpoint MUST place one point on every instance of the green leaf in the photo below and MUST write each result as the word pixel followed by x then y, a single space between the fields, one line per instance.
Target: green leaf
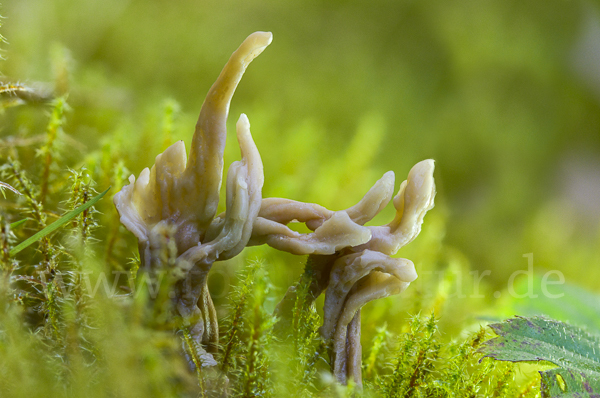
pixel 574 350
pixel 57 224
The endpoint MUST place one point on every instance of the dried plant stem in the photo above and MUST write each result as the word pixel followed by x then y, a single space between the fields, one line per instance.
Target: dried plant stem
pixel 18 93
pixel 192 348
pixel 9 187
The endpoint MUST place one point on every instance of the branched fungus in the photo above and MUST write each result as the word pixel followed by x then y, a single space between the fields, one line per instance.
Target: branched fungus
pixel 185 193
pixel 358 274
pixel 352 262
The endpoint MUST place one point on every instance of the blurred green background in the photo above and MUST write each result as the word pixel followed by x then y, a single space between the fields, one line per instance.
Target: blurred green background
pixel 504 95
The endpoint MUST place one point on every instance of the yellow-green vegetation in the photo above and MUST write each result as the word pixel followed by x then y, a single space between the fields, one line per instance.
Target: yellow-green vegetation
pixel 503 95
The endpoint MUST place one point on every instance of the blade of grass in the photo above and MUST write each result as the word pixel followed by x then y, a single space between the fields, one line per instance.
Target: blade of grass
pixel 56 224
pixel 18 223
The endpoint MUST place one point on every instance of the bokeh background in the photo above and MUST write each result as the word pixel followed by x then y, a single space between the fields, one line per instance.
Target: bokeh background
pixel 504 95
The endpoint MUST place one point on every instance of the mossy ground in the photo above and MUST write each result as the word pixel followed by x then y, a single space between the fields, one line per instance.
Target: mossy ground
pixel 497 93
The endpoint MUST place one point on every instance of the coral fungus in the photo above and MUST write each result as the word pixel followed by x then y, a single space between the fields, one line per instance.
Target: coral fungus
pixel 353 261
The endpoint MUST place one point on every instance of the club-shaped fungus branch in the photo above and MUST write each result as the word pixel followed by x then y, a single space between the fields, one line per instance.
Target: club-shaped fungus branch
pixel 184 194
pixel 356 275
pixel 367 272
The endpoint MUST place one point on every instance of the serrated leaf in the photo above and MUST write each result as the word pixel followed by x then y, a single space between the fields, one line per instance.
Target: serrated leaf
pixel 574 350
pixel 57 224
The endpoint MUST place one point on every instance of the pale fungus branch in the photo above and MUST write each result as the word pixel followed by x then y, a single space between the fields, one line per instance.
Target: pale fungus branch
pixel 333 231
pixel 227 236
pixel 284 211
pixel 336 233
pixel 178 198
pixel 414 199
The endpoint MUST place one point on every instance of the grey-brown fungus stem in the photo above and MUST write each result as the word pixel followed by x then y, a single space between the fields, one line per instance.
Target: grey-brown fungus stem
pixel 348 270
pixel 346 349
